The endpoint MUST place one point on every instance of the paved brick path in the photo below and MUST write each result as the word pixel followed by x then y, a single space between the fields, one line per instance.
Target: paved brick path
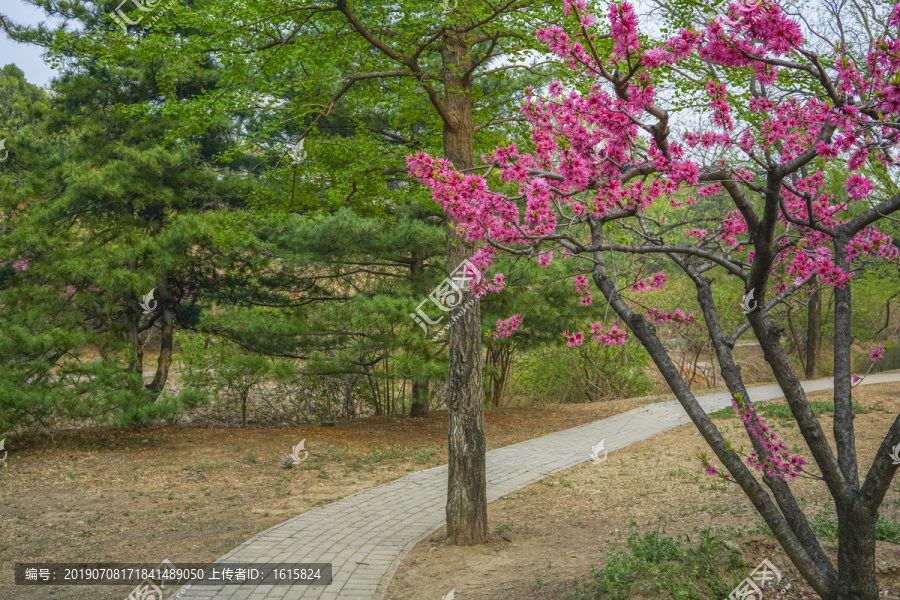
pixel 366 535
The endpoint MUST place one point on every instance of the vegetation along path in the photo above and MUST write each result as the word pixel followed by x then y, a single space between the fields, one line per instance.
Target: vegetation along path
pixel 366 535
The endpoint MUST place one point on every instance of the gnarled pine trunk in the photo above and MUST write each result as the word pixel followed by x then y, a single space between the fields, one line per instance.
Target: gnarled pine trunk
pixel 167 332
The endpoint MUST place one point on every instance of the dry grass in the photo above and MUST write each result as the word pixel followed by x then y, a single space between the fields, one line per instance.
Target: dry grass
pixel 191 494
pixel 546 535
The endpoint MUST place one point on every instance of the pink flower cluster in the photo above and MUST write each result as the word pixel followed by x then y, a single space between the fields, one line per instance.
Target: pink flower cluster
pixel 658 317
pixel 614 337
pixel 858 187
pixel 733 226
pixel 545 257
pixel 871 242
pixel 581 288
pixel 711 470
pixel 586 144
pixel 657 281
pixel 574 339
pixel 778 461
pixel 505 328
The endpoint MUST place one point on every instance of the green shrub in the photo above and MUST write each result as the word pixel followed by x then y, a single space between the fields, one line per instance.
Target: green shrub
pixel 591 372
pixel 424 455
pixel 782 412
pixel 657 566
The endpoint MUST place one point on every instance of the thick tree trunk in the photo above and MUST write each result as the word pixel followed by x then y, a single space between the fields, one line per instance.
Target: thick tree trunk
pixel 856 554
pixel 467 485
pixel 167 332
pixel 813 331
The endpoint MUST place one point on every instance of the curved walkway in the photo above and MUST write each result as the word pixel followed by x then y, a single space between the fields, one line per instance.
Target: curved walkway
pixel 366 535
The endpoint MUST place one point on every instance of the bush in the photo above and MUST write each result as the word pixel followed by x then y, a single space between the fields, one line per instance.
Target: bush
pixel 657 566
pixel 592 372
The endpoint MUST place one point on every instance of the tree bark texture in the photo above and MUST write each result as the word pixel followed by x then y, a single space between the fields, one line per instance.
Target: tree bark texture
pixel 813 331
pixel 167 332
pixel 419 407
pixel 467 485
pixel 133 311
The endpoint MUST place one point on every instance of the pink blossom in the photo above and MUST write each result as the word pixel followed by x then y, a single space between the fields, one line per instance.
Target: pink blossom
pixel 877 353
pixel 778 462
pixel 505 328
pixel 696 233
pixel 574 339
pixel 858 187
pixel 592 156
pixel 545 257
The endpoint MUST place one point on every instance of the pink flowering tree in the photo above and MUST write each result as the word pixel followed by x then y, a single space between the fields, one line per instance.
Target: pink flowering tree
pixel 615 170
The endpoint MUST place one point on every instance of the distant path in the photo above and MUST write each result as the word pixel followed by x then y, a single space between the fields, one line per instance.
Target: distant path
pixel 366 535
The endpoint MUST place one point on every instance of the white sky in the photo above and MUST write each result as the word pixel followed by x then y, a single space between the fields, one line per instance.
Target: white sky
pixel 25 56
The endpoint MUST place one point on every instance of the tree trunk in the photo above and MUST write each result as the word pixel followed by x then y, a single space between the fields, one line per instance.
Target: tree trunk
pixel 167 331
pixel 419 407
pixel 856 554
pixel 499 356
pixel 467 485
pixel 133 312
pixel 813 331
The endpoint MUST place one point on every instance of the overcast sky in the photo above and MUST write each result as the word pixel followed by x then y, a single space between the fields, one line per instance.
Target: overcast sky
pixel 25 56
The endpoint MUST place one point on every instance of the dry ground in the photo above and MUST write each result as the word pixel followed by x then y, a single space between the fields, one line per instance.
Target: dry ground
pixel 191 494
pixel 546 535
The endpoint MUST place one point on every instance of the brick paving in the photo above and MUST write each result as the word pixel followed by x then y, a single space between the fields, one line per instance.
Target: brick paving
pixel 365 536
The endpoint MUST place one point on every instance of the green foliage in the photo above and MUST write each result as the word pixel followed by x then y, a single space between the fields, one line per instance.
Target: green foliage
pixel 97 210
pixel 556 373
pixel 655 565
pixel 424 455
pixel 222 370
pixel 781 411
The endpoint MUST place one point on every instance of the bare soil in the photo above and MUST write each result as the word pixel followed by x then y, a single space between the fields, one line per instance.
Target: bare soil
pixel 192 494
pixel 550 533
